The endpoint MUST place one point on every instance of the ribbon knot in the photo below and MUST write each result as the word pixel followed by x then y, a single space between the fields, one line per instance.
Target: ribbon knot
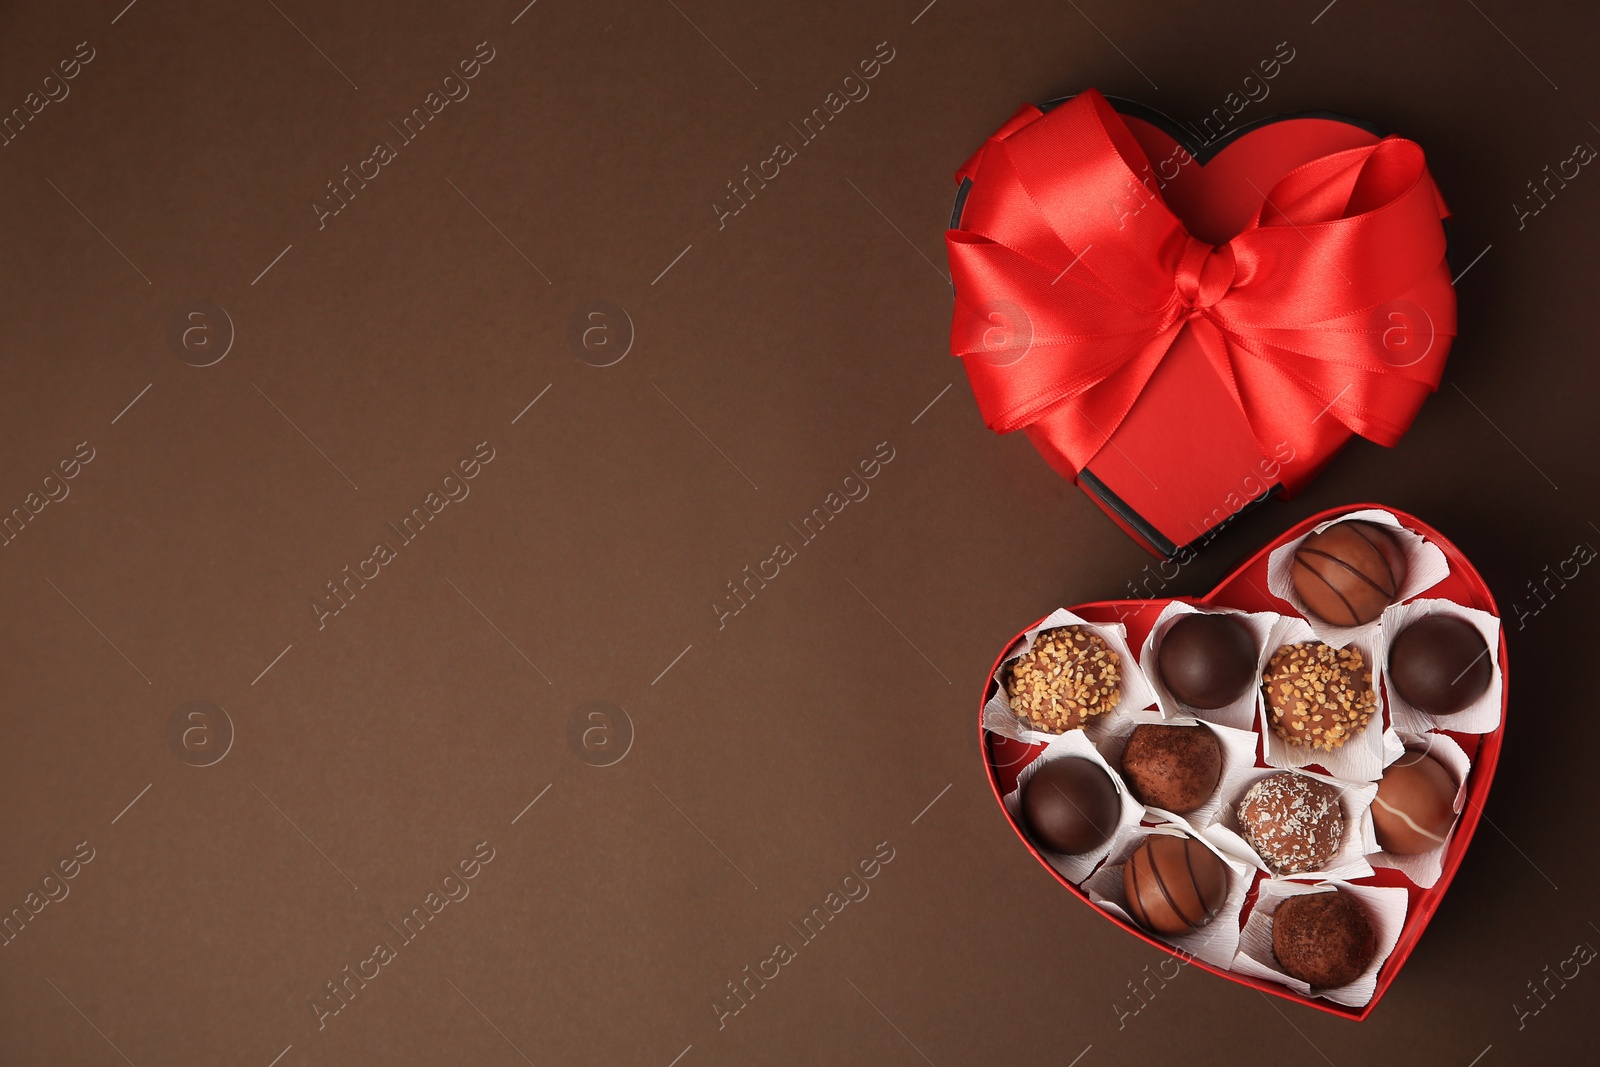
pixel 1205 272
pixel 1293 312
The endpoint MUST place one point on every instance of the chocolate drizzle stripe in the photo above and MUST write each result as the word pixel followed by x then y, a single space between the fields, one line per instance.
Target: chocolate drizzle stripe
pixel 1407 819
pixel 1354 618
pixel 1360 528
pixel 1356 571
pixel 1161 884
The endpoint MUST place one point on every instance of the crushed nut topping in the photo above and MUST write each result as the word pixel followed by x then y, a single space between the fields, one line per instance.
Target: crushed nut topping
pixel 1066 678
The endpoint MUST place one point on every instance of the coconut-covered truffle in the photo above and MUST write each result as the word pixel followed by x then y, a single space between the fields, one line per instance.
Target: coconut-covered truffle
pixel 1293 821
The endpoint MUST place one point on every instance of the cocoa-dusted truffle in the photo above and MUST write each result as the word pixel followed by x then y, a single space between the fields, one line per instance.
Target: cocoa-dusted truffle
pixel 1070 805
pixel 1294 822
pixel 1174 885
pixel 1323 939
pixel 1066 678
pixel 1350 572
pixel 1207 661
pixel 1318 696
pixel 1414 810
pixel 1175 768
pixel 1440 664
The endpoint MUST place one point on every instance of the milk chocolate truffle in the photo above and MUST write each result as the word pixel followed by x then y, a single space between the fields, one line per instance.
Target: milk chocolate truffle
pixel 1440 664
pixel 1294 822
pixel 1174 885
pixel 1318 696
pixel 1175 768
pixel 1067 678
pixel 1070 805
pixel 1207 661
pixel 1323 938
pixel 1413 810
pixel 1349 573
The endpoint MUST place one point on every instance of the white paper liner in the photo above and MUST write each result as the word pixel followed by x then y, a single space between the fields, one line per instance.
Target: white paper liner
pixel 1242 712
pixel 1137 694
pixel 1074 743
pixel 1238 749
pixel 1217 943
pixel 1424 868
pixel 1482 716
pixel 1348 864
pixel 1386 911
pixel 1360 758
pixel 1426 567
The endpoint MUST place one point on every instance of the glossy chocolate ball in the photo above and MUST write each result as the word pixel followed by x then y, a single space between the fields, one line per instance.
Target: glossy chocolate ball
pixel 1207 661
pixel 1413 810
pixel 1440 664
pixel 1175 768
pixel 1070 805
pixel 1324 939
pixel 1174 885
pixel 1347 574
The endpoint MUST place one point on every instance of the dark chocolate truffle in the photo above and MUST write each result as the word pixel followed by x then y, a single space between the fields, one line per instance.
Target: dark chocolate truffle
pixel 1070 805
pixel 1440 664
pixel 1323 939
pixel 1174 885
pixel 1318 696
pixel 1349 573
pixel 1065 679
pixel 1207 661
pixel 1175 768
pixel 1413 810
pixel 1294 822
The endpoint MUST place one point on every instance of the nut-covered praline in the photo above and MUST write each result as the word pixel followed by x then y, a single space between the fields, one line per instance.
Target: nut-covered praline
pixel 1350 572
pixel 1294 822
pixel 1318 696
pixel 1414 810
pixel 1070 805
pixel 1207 661
pixel 1440 664
pixel 1175 768
pixel 1324 939
pixel 1174 885
pixel 1066 678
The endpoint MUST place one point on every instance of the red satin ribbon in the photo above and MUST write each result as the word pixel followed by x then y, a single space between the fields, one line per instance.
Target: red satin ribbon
pixel 1066 304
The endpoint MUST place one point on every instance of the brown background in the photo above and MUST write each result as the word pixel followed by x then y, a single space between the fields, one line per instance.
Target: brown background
pixel 797 338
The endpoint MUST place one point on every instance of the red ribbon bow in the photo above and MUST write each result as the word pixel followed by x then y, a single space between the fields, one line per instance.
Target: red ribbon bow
pixel 1309 316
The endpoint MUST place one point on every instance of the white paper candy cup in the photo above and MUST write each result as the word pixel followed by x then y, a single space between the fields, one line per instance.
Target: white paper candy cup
pixel 1242 712
pixel 1360 758
pixel 1424 868
pixel 1349 863
pixel 1386 911
pixel 1482 716
pixel 1238 749
pixel 1217 943
pixel 1426 567
pixel 1136 691
pixel 1069 745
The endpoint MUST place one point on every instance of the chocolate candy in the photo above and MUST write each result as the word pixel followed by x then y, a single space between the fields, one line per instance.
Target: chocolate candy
pixel 1070 805
pixel 1318 696
pixel 1440 664
pixel 1323 939
pixel 1413 810
pixel 1175 768
pixel 1174 885
pixel 1066 678
pixel 1207 661
pixel 1349 573
pixel 1294 822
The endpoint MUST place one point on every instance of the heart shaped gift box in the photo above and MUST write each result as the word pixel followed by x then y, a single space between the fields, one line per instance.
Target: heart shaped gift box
pixel 1185 329
pixel 1246 589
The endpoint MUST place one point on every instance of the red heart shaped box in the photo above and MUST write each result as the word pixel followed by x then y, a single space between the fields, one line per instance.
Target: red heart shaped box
pixel 1184 461
pixel 1245 589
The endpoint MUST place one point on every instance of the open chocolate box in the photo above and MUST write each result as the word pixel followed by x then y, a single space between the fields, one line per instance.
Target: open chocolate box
pixel 1247 589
